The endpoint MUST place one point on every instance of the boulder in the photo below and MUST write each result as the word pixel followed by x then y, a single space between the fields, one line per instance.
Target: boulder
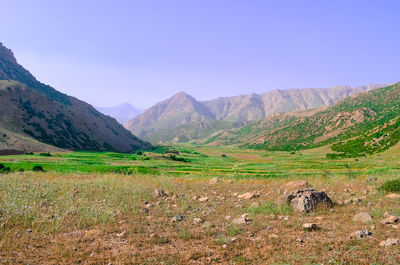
pixel 214 181
pixel 390 220
pixel 308 200
pixel 360 234
pixel 158 193
pixel 393 196
pixel 249 195
pixel 363 217
pixel 310 227
pixel 243 219
pixel 295 185
pixel 389 242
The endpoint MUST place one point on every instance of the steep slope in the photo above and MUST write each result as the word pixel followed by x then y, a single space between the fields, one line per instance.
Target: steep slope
pixel 362 124
pixel 30 108
pixel 122 113
pixel 182 118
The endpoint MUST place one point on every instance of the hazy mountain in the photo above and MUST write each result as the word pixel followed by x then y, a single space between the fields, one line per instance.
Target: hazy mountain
pixel 362 124
pixel 122 113
pixel 183 118
pixel 30 109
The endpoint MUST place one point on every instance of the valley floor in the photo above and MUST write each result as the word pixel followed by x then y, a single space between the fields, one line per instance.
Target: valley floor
pixel 103 208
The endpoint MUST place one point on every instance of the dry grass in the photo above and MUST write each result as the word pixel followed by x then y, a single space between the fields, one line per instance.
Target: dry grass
pixel 89 219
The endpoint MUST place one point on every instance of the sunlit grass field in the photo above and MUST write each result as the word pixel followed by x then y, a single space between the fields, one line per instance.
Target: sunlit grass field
pixel 96 208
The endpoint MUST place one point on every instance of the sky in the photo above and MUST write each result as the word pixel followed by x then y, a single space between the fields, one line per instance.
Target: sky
pixel 108 52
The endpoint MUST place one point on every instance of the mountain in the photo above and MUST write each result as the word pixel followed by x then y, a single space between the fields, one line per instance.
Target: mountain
pixel 183 118
pixel 363 124
pixel 122 113
pixel 34 115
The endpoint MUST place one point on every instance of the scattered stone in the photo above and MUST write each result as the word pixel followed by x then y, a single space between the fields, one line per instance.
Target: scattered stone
pixel 174 197
pixel 214 181
pixel 249 195
pixel 295 185
pixel 275 236
pixel 373 227
pixel 224 246
pixel 387 214
pixel 366 192
pixel 242 219
pixel 372 179
pixel 228 218
pixel 122 234
pixel 389 242
pixel 310 227
pixel 308 200
pixel 28 230
pixel 255 204
pixel 207 224
pixel 203 199
pixel 158 193
pixel 197 221
pixel 235 194
pixel 393 196
pixel 390 220
pixel 233 239
pixel 300 240
pixel 148 205
pixel 360 234
pixel 177 218
pixel 363 217
pixel 395 227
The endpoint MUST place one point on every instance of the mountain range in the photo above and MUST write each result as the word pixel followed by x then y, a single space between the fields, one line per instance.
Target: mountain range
pixel 36 117
pixel 359 125
pixel 122 113
pixel 182 118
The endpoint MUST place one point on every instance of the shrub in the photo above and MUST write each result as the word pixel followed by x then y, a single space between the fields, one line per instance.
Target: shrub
pixel 1 166
pixel 45 154
pixel 139 153
pixel 5 170
pixel 223 155
pixel 38 169
pixel 29 153
pixel 391 186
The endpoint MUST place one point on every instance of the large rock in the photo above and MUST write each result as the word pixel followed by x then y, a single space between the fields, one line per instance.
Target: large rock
pixel 389 242
pixel 363 217
pixel 295 185
pixel 249 195
pixel 308 200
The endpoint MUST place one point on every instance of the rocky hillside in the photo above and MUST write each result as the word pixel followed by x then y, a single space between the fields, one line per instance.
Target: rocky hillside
pixel 183 118
pixel 36 112
pixel 359 125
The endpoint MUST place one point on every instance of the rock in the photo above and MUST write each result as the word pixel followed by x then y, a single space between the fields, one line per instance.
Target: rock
pixel 275 236
pixel 387 214
pixel 224 246
pixel 255 204
pixel 233 239
pixel 389 242
pixel 395 227
pixel 177 218
pixel 206 225
pixel 203 199
pixel 310 227
pixel 295 185
pixel 363 217
pixel 228 218
pixel 393 196
pixel 242 219
pixel 213 181
pixel 308 200
pixel 360 234
pixel 147 205
pixel 197 221
pixel 158 193
pixel 248 195
pixel 372 179
pixel 390 220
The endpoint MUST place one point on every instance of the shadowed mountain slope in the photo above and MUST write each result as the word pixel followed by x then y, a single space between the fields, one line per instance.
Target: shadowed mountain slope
pixel 30 108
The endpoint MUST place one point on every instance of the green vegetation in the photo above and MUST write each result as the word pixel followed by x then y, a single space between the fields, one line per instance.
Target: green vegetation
pixel 391 186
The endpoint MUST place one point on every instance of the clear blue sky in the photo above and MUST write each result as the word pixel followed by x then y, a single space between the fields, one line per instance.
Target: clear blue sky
pixel 111 51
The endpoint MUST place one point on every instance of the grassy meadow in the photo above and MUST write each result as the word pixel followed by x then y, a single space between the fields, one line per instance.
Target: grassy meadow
pixel 99 208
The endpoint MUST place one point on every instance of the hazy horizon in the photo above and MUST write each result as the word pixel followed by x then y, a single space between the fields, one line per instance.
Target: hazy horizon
pixel 107 53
